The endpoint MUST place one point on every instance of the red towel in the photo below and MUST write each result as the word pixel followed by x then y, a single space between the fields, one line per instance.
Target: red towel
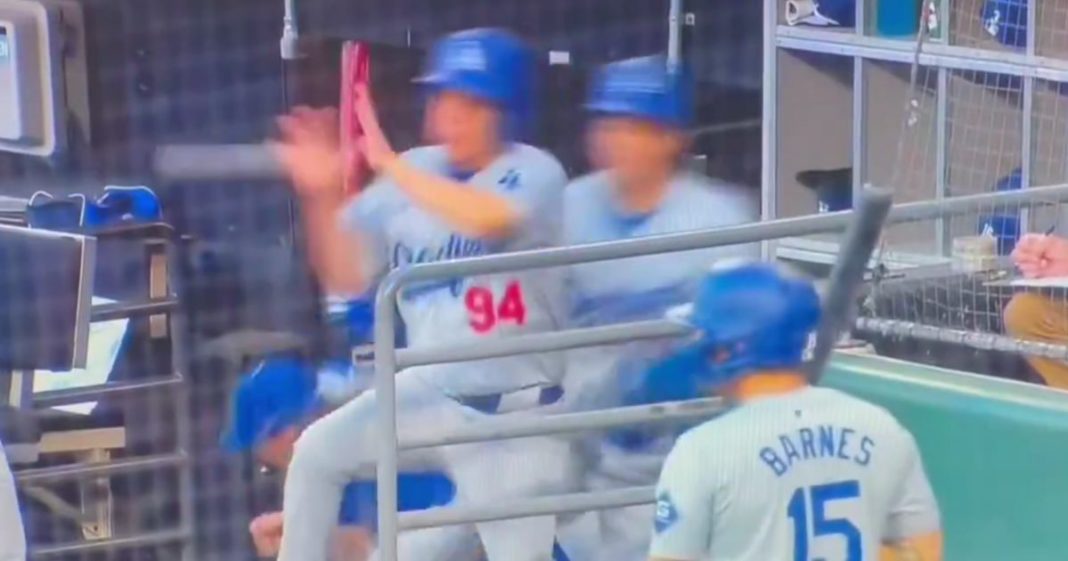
pixel 355 71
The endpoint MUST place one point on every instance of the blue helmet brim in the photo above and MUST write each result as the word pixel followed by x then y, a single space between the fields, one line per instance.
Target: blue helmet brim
pixel 610 109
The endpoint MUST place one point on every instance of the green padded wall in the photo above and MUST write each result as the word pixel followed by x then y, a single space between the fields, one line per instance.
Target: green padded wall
pixel 996 452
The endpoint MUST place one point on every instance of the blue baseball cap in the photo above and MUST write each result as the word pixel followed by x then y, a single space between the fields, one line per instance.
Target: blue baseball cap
pixel 280 393
pixel 645 88
pixel 123 204
pixel 489 64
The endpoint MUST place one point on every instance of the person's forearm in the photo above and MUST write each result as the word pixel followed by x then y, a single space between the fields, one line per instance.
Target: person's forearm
pixel 927 547
pixel 335 255
pixel 472 212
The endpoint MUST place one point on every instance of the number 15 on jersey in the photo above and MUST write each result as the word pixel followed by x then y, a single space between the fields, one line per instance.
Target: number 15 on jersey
pixel 816 499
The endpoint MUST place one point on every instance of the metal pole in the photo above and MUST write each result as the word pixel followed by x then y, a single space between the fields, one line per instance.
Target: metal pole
pixel 769 135
pixel 86 471
pixel 84 547
pixel 70 396
pixel 290 32
pixel 504 428
pixel 386 400
pixel 182 400
pixel 674 54
pixel 555 504
pixel 972 339
pixel 540 342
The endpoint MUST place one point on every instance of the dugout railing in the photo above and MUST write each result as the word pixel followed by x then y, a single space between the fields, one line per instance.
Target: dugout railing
pixel 389 360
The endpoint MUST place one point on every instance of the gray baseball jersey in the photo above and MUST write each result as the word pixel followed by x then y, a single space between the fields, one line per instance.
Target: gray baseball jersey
pixel 815 474
pixel 639 288
pixel 399 233
pixel 592 214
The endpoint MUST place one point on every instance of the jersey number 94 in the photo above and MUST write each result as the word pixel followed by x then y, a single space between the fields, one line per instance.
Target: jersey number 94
pixel 485 311
pixel 815 500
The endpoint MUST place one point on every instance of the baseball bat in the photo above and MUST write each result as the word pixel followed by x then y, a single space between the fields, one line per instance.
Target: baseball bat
pixel 861 237
pixel 191 162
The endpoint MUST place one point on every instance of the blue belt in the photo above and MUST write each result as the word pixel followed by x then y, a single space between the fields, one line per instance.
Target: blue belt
pixel 632 440
pixel 506 402
pixel 642 438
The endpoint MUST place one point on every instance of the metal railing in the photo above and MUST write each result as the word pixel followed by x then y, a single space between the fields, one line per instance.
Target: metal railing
pixel 389 360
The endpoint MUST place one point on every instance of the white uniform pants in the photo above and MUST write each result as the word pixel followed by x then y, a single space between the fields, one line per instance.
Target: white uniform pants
pixel 625 533
pixel 343 446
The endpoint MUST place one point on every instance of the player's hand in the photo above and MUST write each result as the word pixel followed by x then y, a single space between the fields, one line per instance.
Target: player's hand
pixel 1041 256
pixel 266 530
pixel 375 146
pixel 1027 255
pixel 310 152
pixel 1055 258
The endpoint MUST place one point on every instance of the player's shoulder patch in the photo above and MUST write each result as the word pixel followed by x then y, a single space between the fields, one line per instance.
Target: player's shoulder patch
pixel 666 513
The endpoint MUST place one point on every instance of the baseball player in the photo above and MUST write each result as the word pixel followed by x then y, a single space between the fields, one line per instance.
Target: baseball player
pixel 476 191
pixel 12 535
pixel 269 409
pixel 641 109
pixel 792 471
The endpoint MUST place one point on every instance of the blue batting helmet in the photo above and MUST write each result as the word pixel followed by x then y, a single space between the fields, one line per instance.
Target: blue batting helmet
pixel 646 88
pixel 278 394
pixel 489 64
pixel 747 317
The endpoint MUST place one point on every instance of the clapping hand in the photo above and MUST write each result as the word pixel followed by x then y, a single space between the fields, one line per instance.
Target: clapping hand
pixel 1041 256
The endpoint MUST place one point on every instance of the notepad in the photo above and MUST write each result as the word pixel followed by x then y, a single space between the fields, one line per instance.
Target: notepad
pixel 1050 282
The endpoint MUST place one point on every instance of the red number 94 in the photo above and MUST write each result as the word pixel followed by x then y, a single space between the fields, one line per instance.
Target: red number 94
pixel 485 312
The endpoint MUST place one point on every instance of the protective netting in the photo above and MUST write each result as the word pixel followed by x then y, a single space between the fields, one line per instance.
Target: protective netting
pixel 120 458
pixel 984 118
pixel 130 464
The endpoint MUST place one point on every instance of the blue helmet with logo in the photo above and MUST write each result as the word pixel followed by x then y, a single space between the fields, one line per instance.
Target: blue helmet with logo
pixel 280 393
pixel 746 317
pixel 646 88
pixel 489 64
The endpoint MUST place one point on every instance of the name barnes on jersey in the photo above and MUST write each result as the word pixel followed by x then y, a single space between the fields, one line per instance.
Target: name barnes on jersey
pixel 821 442
pixel 455 247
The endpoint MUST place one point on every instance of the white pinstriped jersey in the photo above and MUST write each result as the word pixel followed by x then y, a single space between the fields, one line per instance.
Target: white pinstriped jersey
pixel 400 233
pixel 640 288
pixel 592 214
pixel 815 474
